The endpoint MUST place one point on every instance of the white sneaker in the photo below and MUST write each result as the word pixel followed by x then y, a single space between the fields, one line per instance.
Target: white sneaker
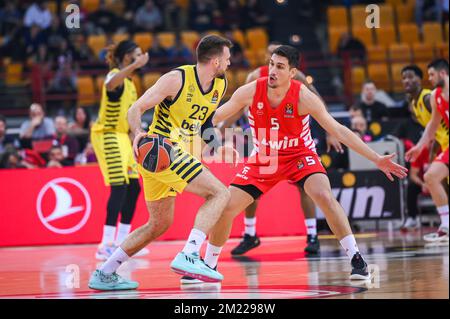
pixel 186 280
pixel 104 251
pixel 410 224
pixel 142 252
pixel 440 236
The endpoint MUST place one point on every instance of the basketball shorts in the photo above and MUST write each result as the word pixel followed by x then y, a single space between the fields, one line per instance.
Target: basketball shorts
pixel 257 180
pixel 114 154
pixel 442 157
pixel 174 179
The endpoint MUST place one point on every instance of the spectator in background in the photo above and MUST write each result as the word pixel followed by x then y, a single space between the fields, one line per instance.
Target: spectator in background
pixel 13 158
pixel 237 53
pixel 34 37
pixel 5 139
pixel 372 109
pixel 64 80
pixel 56 158
pixel 255 15
pixel 157 54
pixel 38 126
pixel 38 14
pixel 201 15
pixel 179 54
pixel 148 17
pixel 350 47
pixel 87 156
pixel 69 144
pixel 81 50
pixel 359 126
pixel 81 126
pixel 104 20
pixel 233 15
pixel 174 16
pixel 55 34
pixel 10 18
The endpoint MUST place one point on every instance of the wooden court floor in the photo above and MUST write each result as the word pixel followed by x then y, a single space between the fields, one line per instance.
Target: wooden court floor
pixel 403 268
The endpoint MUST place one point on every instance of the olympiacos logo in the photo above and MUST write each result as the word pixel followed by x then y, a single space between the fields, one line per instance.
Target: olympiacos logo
pixel 63 205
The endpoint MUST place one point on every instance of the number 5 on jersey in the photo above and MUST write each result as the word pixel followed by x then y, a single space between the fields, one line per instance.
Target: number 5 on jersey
pixel 275 125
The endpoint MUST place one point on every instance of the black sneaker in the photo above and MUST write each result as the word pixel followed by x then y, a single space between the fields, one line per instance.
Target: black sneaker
pixel 312 244
pixel 247 243
pixel 359 268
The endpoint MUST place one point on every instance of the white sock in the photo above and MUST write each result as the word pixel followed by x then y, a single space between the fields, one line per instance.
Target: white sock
pixel 349 245
pixel 194 242
pixel 250 226
pixel 443 213
pixel 311 226
pixel 113 263
pixel 108 234
pixel 212 255
pixel 122 232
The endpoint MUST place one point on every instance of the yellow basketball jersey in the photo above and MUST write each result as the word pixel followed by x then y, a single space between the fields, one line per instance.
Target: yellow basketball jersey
pixel 423 116
pixel 182 118
pixel 112 116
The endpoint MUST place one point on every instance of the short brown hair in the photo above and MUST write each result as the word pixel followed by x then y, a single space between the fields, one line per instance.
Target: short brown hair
pixel 211 46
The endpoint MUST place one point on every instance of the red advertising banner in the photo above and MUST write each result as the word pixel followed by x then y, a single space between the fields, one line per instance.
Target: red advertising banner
pixel 68 206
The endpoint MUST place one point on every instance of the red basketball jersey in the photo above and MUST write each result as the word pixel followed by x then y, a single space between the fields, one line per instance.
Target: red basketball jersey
pixel 279 131
pixel 263 71
pixel 442 105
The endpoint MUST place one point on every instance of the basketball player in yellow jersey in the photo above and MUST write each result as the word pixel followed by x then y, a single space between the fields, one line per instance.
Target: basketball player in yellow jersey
pixel 421 110
pixel 185 101
pixel 112 145
pixel 412 77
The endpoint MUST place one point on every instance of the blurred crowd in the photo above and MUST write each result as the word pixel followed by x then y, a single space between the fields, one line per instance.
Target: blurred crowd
pixel 31 31
pixel 47 142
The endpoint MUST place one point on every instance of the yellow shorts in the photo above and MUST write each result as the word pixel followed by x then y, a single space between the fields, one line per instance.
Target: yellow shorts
pixel 115 157
pixel 172 180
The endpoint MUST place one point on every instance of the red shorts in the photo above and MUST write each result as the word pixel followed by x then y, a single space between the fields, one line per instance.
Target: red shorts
pixel 442 157
pixel 263 177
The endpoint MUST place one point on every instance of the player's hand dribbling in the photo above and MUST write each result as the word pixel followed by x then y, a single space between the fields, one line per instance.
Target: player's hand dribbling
pixel 388 167
pixel 136 140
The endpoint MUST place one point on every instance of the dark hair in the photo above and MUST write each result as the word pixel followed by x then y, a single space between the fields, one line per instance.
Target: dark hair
pixel 117 52
pixel 211 46
pixel 87 121
pixel 439 65
pixel 413 68
pixel 2 119
pixel 289 53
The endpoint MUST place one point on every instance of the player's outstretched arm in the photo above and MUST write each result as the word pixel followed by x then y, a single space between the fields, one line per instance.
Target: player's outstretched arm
pixel 429 133
pixel 167 86
pixel 241 98
pixel 310 103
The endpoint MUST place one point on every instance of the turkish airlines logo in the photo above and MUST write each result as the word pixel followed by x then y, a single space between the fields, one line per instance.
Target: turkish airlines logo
pixel 63 205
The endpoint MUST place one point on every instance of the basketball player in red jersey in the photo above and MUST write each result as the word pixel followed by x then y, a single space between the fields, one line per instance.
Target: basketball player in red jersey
pixel 438 72
pixel 250 239
pixel 279 113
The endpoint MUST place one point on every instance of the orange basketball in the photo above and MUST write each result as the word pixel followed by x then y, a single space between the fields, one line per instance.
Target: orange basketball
pixel 154 153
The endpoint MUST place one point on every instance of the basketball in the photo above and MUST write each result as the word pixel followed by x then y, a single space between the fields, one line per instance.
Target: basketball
pixel 154 153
